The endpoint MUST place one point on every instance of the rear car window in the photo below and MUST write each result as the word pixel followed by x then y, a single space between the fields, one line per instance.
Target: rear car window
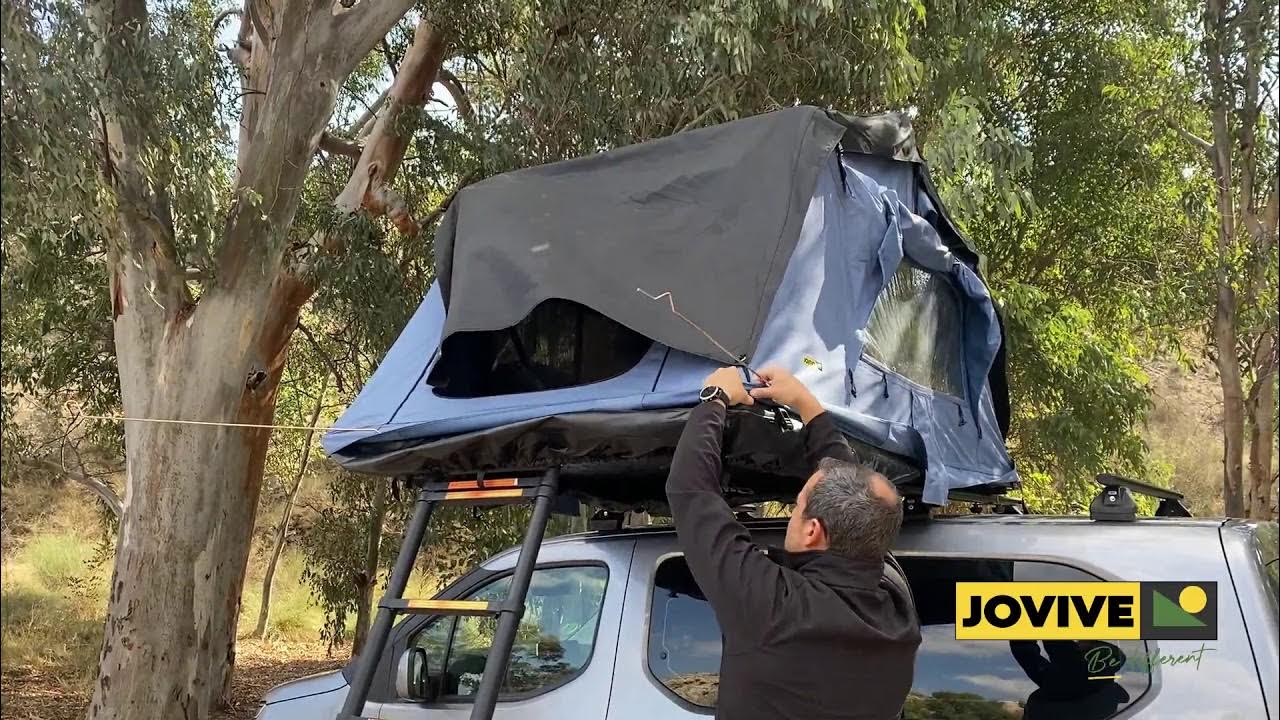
pixel 684 637
pixel 954 679
pixel 1089 680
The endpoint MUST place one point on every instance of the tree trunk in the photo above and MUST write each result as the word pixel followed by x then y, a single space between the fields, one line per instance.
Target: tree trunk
pixel 191 491
pixel 1225 320
pixel 1261 408
pixel 282 530
pixel 368 577
pixel 1233 406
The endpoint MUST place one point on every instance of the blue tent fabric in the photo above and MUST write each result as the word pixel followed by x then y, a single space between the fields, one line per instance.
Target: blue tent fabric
pixel 866 220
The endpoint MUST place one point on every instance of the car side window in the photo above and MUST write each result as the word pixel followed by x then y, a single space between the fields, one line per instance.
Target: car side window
pixel 1086 680
pixel 684 637
pixel 976 679
pixel 553 644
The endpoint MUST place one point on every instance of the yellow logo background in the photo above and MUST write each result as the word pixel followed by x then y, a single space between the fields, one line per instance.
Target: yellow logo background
pixel 1037 594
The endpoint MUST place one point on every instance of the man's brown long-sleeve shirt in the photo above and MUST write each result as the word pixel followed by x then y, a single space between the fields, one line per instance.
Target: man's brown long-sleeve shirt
pixel 806 635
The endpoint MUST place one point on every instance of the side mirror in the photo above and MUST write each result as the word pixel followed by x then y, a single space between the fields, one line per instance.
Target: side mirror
pixel 413 676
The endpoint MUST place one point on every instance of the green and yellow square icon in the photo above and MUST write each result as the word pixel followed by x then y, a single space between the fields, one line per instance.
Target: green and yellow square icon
pixel 1179 610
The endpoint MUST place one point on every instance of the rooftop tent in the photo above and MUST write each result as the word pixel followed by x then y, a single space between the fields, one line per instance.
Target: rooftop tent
pixel 801 237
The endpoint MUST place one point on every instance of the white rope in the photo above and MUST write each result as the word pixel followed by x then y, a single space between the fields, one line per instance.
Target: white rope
pixel 331 428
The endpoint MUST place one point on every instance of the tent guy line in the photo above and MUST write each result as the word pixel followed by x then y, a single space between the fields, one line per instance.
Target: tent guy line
pixel 671 302
pixel 332 428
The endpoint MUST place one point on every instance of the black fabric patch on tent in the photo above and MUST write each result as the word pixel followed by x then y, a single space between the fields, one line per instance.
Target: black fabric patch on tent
pixel 669 215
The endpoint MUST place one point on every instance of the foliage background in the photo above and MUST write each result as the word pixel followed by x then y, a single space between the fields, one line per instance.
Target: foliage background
pixel 1040 120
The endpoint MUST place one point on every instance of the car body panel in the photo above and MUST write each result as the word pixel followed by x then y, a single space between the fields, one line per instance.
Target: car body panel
pixel 1231 681
pixel 315 696
pixel 1256 604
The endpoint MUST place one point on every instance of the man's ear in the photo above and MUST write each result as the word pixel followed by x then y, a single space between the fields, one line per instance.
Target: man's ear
pixel 815 534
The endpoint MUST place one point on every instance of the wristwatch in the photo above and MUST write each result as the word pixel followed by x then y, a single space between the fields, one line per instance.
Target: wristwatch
pixel 714 392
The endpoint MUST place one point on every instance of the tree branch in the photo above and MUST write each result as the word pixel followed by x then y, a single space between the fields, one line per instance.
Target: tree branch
pixel 392 63
pixel 443 207
pixel 369 188
pixel 364 123
pixel 459 95
pixel 324 357
pixel 1195 140
pixel 333 144
pixel 105 492
pixel 367 22
pixel 147 267
pixel 369 185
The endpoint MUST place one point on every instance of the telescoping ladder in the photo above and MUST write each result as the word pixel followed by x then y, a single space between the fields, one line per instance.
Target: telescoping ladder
pixel 541 489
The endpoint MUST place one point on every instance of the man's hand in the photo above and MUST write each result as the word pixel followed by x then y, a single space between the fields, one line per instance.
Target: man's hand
pixel 783 388
pixel 729 379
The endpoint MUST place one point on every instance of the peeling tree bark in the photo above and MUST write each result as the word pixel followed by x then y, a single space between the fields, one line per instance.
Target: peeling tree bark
pixel 370 183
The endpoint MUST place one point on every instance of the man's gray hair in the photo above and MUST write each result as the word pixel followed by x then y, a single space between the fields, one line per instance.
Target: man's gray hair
pixel 859 522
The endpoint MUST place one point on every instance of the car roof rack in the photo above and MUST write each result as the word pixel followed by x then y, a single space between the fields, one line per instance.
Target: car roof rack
pixel 1115 503
pixel 913 508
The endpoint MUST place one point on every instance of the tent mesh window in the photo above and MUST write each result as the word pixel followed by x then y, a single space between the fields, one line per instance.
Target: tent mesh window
pixel 916 329
pixel 559 344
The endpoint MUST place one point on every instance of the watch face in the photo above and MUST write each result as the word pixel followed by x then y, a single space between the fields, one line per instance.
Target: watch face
pixel 708 393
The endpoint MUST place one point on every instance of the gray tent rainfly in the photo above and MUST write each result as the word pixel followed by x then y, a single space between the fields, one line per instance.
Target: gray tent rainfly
pixel 802 237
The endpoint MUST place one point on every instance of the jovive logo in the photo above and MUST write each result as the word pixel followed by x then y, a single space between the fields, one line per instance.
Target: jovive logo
pixel 1087 611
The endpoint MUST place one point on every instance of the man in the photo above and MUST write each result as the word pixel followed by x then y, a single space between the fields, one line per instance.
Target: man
pixel 825 628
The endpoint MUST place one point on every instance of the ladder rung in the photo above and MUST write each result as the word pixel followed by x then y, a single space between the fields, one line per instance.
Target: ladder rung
pixel 494 491
pixel 479 497
pixel 410 606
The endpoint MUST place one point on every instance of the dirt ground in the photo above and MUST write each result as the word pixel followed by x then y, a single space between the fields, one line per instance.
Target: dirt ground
pixel 27 694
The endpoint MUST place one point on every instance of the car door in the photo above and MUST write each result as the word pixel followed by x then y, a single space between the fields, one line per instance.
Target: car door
pixel 564 651
pixel 668 666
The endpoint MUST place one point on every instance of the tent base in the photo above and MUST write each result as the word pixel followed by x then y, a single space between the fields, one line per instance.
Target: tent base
pixel 621 460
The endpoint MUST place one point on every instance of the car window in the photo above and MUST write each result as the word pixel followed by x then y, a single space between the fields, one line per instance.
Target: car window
pixel 915 329
pixel 684 638
pixel 975 679
pixel 553 644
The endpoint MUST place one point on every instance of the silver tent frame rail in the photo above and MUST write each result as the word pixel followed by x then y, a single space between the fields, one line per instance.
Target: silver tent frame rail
pixel 541 490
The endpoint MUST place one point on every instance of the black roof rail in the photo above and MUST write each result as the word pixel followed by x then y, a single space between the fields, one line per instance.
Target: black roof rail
pixel 1115 502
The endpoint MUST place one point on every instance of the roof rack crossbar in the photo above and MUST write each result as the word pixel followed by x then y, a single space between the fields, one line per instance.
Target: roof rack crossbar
pixel 1115 501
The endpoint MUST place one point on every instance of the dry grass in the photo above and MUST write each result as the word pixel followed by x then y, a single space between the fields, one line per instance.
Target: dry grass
pixel 1184 432
pixel 53 597
pixel 31 693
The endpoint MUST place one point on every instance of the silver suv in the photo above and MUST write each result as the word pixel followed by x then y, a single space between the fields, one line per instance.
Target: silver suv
pixel 615 628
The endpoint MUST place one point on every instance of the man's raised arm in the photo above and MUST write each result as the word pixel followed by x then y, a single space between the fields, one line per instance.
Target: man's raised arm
pixel 739 581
